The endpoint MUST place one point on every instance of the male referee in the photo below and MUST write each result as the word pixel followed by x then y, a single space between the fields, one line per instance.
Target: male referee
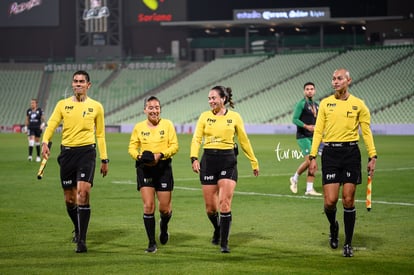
pixel 83 122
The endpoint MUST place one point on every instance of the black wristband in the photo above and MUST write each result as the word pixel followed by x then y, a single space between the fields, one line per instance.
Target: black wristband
pixel 105 160
pixel 312 157
pixel 374 157
pixel 193 159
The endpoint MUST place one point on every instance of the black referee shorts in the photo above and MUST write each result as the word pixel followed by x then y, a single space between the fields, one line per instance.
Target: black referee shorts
pixel 77 164
pixel 341 164
pixel 216 165
pixel 159 176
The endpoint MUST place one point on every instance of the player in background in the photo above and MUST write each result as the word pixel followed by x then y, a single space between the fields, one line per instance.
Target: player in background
pixel 34 125
pixel 304 117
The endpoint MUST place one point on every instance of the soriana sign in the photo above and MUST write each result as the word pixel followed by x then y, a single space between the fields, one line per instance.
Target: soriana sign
pixel 139 12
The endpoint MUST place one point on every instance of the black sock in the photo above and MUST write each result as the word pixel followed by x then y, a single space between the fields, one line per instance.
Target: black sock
pixel 84 214
pixel 38 150
pixel 149 222
pixel 349 223
pixel 72 210
pixel 214 219
pixel 225 222
pixel 165 218
pixel 331 215
pixel 30 150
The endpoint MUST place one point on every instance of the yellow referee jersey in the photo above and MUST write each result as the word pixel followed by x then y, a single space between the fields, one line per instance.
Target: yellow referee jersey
pixel 82 122
pixel 218 132
pixel 340 121
pixel 159 139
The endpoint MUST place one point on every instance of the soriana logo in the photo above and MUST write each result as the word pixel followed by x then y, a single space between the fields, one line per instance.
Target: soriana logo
pixel 153 15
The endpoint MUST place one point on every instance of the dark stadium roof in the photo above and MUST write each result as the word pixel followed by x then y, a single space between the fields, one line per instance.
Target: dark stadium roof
pixel 219 24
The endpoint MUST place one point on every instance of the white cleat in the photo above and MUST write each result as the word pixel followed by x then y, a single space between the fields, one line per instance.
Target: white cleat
pixel 312 193
pixel 293 185
pixel 37 159
pixel 29 158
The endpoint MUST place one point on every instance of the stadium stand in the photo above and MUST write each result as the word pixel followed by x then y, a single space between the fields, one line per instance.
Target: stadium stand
pixel 17 88
pixel 265 87
pixel 180 91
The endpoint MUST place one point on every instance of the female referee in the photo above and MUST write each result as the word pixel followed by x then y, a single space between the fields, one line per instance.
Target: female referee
pixel 216 129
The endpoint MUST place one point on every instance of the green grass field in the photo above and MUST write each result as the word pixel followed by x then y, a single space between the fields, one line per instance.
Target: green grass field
pixel 273 231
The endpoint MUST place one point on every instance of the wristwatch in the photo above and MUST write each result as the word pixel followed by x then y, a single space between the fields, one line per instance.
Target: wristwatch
pixel 105 160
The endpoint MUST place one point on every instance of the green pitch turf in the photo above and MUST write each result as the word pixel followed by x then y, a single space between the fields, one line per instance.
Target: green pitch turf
pixel 273 230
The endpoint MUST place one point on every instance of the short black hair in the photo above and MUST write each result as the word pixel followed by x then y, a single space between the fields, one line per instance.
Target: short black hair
pixel 82 73
pixel 150 98
pixel 308 83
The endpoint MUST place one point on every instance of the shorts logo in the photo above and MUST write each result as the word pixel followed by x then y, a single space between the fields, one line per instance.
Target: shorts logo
pixel 208 177
pixel 223 173
pixel 82 175
pixel 330 176
pixel 147 180
pixel 163 185
pixel 67 182
pixel 348 174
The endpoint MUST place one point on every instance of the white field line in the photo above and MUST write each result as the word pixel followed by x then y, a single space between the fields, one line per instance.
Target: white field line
pixel 195 179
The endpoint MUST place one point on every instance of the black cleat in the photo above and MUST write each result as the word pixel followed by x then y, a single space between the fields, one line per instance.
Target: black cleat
pixel 164 237
pixel 225 249
pixel 216 236
pixel 333 236
pixel 348 251
pixel 81 247
pixel 152 248
pixel 164 233
pixel 75 238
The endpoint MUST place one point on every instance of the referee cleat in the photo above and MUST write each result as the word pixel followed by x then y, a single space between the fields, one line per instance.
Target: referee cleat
pixel 225 249
pixel 333 236
pixel 348 251
pixel 293 185
pixel 75 238
pixel 152 248
pixel 164 237
pixel 81 247
pixel 216 236
pixel 164 233
pixel 312 193
pixel 29 158
pixel 38 159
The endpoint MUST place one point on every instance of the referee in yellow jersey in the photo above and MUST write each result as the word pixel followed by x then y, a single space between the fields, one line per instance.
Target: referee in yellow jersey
pixel 216 129
pixel 152 144
pixel 82 121
pixel 340 118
